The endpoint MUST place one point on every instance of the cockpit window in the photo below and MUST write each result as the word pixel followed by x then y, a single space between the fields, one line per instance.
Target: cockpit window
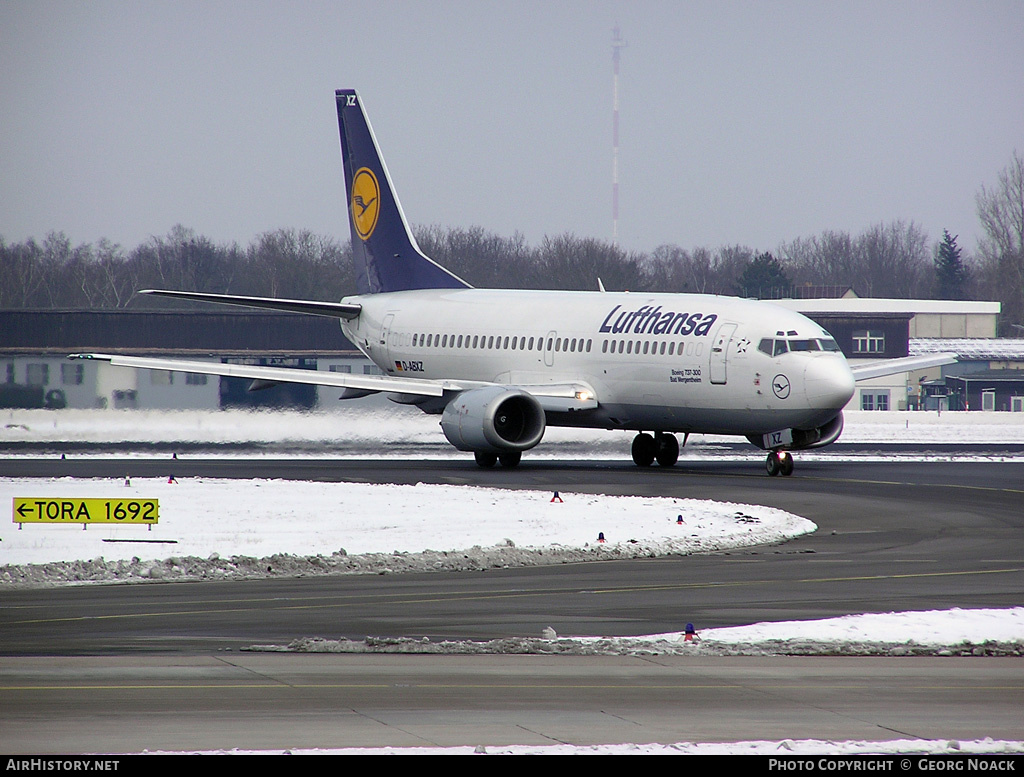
pixel 779 347
pixel 803 345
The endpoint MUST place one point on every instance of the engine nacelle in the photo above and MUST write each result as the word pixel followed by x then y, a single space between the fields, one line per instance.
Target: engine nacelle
pixel 494 419
pixel 819 437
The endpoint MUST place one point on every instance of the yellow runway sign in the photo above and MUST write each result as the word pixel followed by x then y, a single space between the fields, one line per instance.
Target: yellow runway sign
pixel 82 511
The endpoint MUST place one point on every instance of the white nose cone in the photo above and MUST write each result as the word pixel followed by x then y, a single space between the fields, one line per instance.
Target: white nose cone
pixel 828 382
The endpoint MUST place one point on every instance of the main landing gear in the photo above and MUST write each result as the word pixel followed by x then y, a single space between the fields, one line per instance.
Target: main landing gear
pixel 509 459
pixel 661 447
pixel 779 463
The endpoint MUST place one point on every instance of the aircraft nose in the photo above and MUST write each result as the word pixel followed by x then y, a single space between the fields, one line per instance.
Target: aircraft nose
pixel 828 382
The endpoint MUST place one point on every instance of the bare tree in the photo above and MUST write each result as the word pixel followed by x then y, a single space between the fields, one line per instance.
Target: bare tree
pixel 1001 252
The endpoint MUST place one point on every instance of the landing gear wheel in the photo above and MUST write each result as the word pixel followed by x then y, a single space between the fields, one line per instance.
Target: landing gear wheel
pixel 786 463
pixel 485 459
pixel 667 447
pixel 510 459
pixel 644 449
pixel 779 463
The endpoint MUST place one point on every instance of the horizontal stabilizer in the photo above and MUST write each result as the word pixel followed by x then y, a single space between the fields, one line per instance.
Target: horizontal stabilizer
pixel 309 307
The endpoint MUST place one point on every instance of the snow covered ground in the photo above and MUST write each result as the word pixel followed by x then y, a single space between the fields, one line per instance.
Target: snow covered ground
pixel 212 528
pixel 219 528
pixel 786 749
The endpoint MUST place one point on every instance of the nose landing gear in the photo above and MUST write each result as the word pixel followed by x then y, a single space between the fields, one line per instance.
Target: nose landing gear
pixel 779 463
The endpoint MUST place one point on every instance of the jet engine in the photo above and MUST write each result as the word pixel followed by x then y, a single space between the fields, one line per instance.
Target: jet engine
pixel 818 437
pixel 494 419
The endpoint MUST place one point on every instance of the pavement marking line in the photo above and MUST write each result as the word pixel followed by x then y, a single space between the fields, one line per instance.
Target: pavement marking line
pixel 498 686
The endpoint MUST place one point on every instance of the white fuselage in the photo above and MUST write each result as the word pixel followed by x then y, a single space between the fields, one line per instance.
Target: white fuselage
pixel 666 362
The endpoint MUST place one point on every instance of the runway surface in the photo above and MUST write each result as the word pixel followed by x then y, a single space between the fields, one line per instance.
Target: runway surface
pixel 892 536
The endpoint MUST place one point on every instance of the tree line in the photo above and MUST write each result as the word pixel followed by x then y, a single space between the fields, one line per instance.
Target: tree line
pixel 895 259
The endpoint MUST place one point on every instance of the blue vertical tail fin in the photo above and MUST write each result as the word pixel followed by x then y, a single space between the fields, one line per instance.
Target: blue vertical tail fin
pixel 384 250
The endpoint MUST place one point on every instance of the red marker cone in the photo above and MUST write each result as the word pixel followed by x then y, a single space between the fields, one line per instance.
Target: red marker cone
pixel 171 479
pixel 556 498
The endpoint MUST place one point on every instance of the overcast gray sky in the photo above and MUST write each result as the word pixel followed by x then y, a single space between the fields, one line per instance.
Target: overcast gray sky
pixel 740 122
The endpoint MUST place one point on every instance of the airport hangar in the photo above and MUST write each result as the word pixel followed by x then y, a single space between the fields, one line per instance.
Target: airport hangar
pixel 35 373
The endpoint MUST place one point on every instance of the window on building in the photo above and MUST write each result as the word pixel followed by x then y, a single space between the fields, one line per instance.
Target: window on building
pixel 37 374
pixel 195 379
pixel 988 399
pixel 72 374
pixel 371 369
pixel 340 368
pixel 161 377
pixel 868 341
pixel 874 400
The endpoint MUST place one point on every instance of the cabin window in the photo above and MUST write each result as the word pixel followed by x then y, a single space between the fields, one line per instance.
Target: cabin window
pixel 767 345
pixel 780 347
pixel 589 344
pixel 671 349
pixel 604 347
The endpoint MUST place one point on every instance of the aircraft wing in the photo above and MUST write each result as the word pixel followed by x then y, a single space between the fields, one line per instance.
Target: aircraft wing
pixel 892 366
pixel 426 388
pixel 309 307
pixel 554 398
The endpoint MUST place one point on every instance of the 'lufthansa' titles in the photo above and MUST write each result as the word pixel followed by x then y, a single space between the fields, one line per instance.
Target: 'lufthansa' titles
pixel 654 321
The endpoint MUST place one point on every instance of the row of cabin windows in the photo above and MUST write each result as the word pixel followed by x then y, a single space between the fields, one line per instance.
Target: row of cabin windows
pixel 652 347
pixel 556 344
pixel 490 342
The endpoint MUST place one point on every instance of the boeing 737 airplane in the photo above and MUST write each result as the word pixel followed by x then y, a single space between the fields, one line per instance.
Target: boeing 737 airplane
pixel 499 366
